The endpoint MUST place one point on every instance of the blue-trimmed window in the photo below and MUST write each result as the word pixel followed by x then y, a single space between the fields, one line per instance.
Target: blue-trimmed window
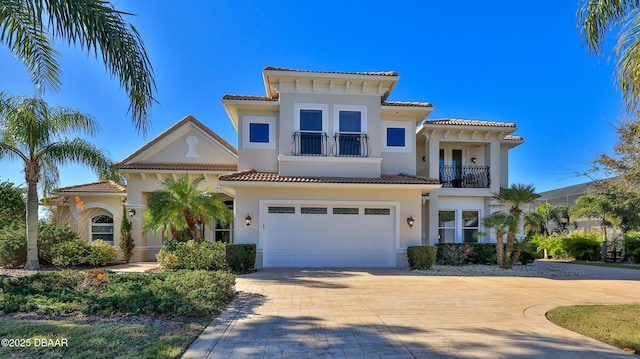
pixel 259 132
pixel 395 137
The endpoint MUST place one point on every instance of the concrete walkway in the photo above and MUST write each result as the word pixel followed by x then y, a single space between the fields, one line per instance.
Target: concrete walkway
pixel 388 313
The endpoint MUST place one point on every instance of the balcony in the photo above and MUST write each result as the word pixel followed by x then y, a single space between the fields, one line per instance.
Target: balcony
pixel 319 144
pixel 310 144
pixel 465 176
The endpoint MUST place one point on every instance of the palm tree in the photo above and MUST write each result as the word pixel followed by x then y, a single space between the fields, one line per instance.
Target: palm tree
pixel 35 133
pixel 502 224
pixel 182 209
pixel 515 197
pixel 597 19
pixel 30 28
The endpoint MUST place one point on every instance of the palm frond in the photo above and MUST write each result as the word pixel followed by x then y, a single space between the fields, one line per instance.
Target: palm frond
pixel 25 36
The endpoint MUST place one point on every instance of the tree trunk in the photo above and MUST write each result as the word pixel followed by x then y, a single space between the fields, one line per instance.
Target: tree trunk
pixel 32 226
pixel 499 249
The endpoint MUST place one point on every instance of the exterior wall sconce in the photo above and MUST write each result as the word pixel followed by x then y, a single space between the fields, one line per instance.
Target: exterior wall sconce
pixel 473 160
pixel 131 212
pixel 247 220
pixel 410 221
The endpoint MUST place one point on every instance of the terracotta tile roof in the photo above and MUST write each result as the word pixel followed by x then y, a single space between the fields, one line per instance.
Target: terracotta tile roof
pixel 380 73
pixel 249 98
pixel 254 176
pixel 407 103
pixel 457 122
pixel 95 187
pixel 179 166
pixel 172 128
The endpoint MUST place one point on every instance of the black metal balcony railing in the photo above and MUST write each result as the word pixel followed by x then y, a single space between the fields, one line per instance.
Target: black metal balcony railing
pixel 351 145
pixel 465 176
pixel 310 144
pixel 342 145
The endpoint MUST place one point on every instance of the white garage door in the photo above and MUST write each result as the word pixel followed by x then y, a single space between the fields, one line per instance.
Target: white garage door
pixel 329 236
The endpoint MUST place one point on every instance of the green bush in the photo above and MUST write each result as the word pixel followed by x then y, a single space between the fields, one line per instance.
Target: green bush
pixel 555 246
pixel 51 235
pixel 528 251
pixel 452 254
pixel 13 242
pixel 13 245
pixel 192 255
pixel 482 253
pixel 241 258
pixel 632 245
pixel 184 293
pixel 79 252
pixel 582 246
pixel 421 257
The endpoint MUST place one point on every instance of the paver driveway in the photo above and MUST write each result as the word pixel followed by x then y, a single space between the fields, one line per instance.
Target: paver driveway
pixel 388 313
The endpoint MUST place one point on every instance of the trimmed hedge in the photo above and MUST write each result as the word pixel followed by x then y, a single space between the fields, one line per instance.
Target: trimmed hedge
pixel 241 258
pixel 421 257
pixel 176 255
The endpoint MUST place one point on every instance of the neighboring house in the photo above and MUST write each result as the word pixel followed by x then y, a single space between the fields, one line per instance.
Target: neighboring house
pixel 329 173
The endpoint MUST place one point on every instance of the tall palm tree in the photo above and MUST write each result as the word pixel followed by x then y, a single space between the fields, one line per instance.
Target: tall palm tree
pixel 181 209
pixel 596 206
pixel 30 28
pixel 515 197
pixel 501 223
pixel 598 18
pixel 36 134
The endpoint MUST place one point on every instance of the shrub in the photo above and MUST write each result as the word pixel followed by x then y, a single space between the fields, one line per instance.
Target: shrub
pixel 632 245
pixel 528 251
pixel 51 235
pixel 79 252
pixel 126 240
pixel 192 255
pixel 582 246
pixel 554 245
pixel 452 254
pixel 421 257
pixel 13 245
pixel 482 253
pixel 186 293
pixel 241 258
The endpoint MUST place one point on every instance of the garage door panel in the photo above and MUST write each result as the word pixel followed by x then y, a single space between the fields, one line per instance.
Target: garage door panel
pixel 346 237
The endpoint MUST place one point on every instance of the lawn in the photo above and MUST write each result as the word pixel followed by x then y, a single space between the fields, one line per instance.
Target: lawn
pixel 102 314
pixel 611 265
pixel 617 325
pixel 64 339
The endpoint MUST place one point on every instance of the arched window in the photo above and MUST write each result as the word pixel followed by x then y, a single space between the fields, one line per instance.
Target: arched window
pixel 102 228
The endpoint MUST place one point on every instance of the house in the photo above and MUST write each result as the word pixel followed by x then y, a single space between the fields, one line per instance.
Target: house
pixel 329 173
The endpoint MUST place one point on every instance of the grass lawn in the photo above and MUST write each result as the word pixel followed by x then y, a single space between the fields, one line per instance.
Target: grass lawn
pixel 617 325
pixel 611 265
pixel 101 340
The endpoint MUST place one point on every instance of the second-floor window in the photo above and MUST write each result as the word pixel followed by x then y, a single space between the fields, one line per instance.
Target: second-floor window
pixel 310 129
pixel 350 127
pixel 259 132
pixel 396 136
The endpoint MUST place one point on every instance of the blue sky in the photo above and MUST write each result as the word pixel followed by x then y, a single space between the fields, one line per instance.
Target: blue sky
pixel 501 60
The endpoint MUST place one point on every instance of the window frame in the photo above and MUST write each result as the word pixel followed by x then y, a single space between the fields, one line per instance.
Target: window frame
pixel 408 136
pixel 310 106
pixel 105 225
pixel 464 228
pixel 246 132
pixel 352 108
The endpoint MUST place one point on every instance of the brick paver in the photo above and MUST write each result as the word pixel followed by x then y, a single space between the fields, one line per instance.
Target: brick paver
pixel 389 313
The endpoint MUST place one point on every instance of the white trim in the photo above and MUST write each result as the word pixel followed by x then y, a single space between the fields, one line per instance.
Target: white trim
pixel 310 106
pixel 408 136
pixel 307 159
pixel 358 108
pixel 269 120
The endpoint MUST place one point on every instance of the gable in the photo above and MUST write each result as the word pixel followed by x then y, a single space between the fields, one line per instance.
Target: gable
pixel 187 142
